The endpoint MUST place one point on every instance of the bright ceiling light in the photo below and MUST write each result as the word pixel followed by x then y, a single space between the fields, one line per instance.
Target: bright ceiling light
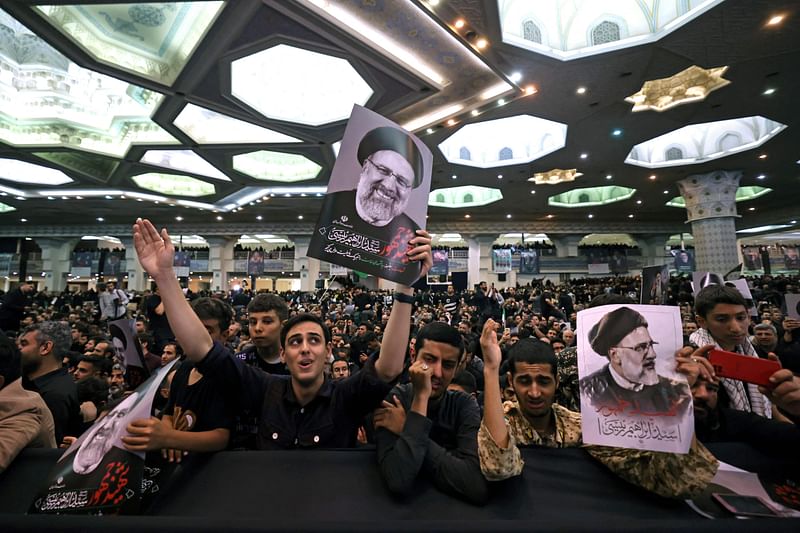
pixel 777 19
pixel 434 116
pixel 276 166
pixel 760 229
pixel 506 141
pixel 299 93
pixel 515 76
pixel 183 161
pixel 571 30
pixel 23 172
pixel 209 127
pixel 769 91
pixel 581 90
pixel 699 143
pixel 555 176
pixel 690 85
pixel 465 196
pixel 153 40
pixel 173 184
pixel 44 95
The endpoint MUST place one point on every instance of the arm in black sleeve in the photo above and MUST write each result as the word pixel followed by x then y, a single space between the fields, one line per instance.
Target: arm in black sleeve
pixel 400 457
pixel 458 471
pixel 236 379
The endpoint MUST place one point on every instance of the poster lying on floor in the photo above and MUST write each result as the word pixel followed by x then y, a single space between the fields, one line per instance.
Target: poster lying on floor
pixel 631 394
pixel 377 198
pixel 97 475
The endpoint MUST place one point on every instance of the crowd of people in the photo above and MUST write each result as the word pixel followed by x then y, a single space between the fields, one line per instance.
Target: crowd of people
pixel 446 386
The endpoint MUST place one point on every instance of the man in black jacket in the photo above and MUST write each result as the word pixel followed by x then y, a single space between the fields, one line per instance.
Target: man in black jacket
pixel 13 306
pixel 423 428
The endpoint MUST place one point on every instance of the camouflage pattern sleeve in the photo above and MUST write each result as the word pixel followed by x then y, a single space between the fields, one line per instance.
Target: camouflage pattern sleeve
pixel 671 475
pixel 498 463
pixel 568 392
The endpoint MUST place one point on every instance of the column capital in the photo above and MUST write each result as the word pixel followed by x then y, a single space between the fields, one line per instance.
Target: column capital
pixel 711 195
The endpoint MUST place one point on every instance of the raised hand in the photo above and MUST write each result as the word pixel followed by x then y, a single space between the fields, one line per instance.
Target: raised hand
pixel 421 251
pixel 492 356
pixel 695 363
pixel 155 252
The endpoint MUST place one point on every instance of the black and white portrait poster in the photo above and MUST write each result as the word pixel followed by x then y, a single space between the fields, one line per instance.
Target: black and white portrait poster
pixel 377 198
pixel 529 262
pixel 655 282
pixel 631 394
pixel 97 475
pixel 684 260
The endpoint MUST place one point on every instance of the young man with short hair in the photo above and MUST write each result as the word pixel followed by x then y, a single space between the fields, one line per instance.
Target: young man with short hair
pixel 721 313
pixel 302 410
pixel 424 428
pixel 533 419
pixel 265 314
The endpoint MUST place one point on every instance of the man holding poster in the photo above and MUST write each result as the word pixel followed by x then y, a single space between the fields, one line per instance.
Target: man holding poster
pixel 366 223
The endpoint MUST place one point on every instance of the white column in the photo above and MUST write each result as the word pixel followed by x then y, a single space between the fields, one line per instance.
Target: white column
pixel 653 247
pixel 137 277
pixel 220 261
pixel 479 260
pixel 56 256
pixel 566 245
pixel 307 266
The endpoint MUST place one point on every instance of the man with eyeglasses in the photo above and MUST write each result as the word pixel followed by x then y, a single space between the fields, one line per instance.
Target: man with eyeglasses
pixel 629 382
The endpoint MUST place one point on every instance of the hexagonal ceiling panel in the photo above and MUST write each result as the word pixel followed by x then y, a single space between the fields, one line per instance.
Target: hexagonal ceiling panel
pixel 46 100
pixel 154 40
pixel 209 127
pixel 577 28
pixel 23 172
pixel 591 196
pixel 276 166
pixel 173 184
pixel 92 165
pixel 699 143
pixel 465 196
pixel 742 195
pixel 504 141
pixel 312 88
pixel 183 160
pixel 5 208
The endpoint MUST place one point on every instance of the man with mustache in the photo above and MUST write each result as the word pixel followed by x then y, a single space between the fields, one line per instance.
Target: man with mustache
pixel 629 381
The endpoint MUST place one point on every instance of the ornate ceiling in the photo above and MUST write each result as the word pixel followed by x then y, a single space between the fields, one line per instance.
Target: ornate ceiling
pixel 116 110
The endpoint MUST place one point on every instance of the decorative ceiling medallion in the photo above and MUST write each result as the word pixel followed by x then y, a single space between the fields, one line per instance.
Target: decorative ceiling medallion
pixel 555 176
pixel 687 86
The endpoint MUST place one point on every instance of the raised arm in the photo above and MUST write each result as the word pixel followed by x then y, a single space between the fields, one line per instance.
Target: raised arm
pixel 156 255
pixel 493 417
pixel 395 338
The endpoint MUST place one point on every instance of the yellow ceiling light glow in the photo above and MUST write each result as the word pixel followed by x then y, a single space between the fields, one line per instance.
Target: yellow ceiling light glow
pixel 555 176
pixel 690 85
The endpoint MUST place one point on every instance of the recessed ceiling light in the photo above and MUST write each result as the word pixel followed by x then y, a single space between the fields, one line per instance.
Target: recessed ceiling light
pixel 638 202
pixel 515 76
pixel 179 218
pixel 475 112
pixel 259 217
pixel 429 130
pixel 454 177
pixel 769 91
pixel 499 176
pixel 762 156
pixel 300 217
pixel 451 122
pixel 108 197
pixel 617 132
pixel 591 215
pixel 533 192
pixel 666 192
pixel 219 217
pixel 793 222
pixel 508 215
pixel 584 155
pixel 23 220
pixel 100 219
pixel 581 90
pixel 761 176
pixel 502 101
pixel 777 19
pixel 550 216
pixel 652 176
pixel 630 216
pixel 459 23
pixel 609 176
pixel 751 209
pixel 482 43
pixel 466 216
pixel 530 89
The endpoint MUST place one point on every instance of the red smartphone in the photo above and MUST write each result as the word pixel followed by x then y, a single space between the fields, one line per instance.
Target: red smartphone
pixel 744 505
pixel 744 368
